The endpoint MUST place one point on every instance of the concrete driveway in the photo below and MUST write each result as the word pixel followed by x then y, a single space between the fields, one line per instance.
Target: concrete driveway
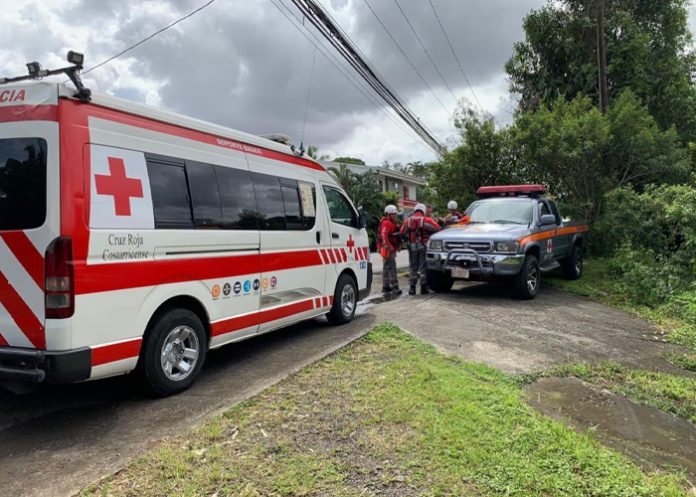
pixel 57 440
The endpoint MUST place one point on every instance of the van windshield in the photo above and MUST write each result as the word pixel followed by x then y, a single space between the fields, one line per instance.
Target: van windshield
pixel 22 183
pixel 501 212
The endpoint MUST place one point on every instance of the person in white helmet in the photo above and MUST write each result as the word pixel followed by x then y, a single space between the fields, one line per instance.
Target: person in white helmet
pixel 388 242
pixel 417 230
pixel 453 215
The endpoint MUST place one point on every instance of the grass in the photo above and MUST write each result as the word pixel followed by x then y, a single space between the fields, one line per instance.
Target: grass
pixel 669 393
pixel 677 319
pixel 387 415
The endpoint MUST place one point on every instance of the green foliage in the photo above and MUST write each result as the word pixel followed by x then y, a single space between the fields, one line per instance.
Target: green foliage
pixel 349 160
pixel 365 192
pixel 648 51
pixel 390 197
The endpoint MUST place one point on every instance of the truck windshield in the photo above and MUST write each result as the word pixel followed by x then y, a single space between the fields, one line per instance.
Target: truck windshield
pixel 501 212
pixel 22 183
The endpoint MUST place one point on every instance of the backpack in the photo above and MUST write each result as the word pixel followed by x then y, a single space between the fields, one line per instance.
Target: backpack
pixel 416 237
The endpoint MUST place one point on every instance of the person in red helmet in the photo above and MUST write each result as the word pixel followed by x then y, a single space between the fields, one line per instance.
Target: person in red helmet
pixel 388 241
pixel 417 230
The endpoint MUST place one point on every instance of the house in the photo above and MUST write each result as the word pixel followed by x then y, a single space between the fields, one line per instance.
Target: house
pixel 408 187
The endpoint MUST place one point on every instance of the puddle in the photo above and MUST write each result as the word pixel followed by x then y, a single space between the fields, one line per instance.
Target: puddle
pixel 650 437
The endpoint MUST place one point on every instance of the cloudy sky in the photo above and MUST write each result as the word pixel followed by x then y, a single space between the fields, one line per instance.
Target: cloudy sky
pixel 244 64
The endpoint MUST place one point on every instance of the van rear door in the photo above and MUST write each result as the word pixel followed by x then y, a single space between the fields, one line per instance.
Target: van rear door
pixel 29 209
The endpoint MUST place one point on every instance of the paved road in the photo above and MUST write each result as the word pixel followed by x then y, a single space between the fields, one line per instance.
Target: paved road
pixel 55 441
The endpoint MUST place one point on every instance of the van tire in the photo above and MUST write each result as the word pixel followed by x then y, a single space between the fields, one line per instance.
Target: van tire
pixel 572 265
pixel 439 282
pixel 522 287
pixel 177 332
pixel 345 301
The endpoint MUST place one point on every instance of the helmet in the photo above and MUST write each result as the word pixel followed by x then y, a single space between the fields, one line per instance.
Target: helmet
pixel 390 209
pixel 420 207
pixel 452 205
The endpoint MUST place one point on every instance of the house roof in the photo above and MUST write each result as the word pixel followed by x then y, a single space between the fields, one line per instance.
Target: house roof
pixel 389 173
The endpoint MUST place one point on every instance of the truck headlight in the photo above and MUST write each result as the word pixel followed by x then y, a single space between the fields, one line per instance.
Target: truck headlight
pixel 435 245
pixel 507 247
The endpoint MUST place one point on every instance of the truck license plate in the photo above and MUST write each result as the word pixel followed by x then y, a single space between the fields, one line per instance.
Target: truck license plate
pixel 460 272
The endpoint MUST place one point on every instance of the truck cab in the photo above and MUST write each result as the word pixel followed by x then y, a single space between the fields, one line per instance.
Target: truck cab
pixel 510 233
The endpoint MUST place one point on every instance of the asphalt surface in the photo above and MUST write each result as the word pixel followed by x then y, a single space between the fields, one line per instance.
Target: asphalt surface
pixel 57 440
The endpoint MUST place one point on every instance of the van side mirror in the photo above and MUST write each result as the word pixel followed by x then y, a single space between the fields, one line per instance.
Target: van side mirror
pixel 548 219
pixel 363 220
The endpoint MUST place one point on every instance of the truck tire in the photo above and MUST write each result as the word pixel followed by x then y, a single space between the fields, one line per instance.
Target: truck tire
pixel 174 352
pixel 345 301
pixel 527 282
pixel 439 282
pixel 572 265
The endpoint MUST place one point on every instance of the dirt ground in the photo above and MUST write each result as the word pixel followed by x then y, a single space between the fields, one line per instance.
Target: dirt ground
pixel 57 440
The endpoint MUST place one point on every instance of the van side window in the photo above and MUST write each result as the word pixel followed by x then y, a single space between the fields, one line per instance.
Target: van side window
pixel 340 209
pixel 269 201
pixel 238 201
pixel 291 200
pixel 22 183
pixel 205 197
pixel 170 196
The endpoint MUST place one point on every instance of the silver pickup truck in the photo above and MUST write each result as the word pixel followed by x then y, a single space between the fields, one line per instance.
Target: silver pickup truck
pixel 511 233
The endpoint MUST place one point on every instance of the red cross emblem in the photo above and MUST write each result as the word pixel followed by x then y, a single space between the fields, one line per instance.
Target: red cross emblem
pixel 118 185
pixel 350 243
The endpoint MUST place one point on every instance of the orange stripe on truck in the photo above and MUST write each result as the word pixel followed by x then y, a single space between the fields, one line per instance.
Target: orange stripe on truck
pixel 544 235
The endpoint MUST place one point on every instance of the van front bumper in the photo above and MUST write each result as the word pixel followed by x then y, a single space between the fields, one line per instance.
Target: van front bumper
pixel 477 264
pixel 37 366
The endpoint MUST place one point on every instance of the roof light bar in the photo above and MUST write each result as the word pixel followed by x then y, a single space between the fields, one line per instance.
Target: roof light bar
pixel 510 190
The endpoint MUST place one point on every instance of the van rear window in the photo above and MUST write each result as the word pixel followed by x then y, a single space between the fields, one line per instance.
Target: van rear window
pixel 22 183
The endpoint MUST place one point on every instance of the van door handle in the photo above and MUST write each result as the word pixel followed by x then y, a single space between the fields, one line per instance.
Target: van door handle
pixel 335 236
pixel 318 236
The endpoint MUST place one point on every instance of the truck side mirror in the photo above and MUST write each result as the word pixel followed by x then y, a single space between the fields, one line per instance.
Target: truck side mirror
pixel 548 219
pixel 363 219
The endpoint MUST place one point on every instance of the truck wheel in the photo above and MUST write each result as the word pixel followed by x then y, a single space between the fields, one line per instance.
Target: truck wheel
pixel 174 352
pixel 345 301
pixel 528 280
pixel 439 282
pixel 572 265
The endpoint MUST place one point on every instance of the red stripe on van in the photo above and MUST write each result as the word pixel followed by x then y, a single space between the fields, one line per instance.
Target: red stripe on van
pixel 3 342
pixel 261 317
pixel 22 314
pixel 331 256
pixel 118 276
pixel 321 254
pixel 27 255
pixel 115 352
pixel 344 255
pixel 29 113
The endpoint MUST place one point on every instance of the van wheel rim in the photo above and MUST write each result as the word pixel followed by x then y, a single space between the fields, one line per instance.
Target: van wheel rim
pixel 532 278
pixel 347 300
pixel 578 263
pixel 180 352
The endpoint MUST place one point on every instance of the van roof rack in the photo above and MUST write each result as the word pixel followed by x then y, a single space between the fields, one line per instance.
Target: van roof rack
pixel 73 72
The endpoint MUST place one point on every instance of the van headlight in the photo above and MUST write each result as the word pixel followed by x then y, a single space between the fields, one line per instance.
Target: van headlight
pixel 435 245
pixel 507 247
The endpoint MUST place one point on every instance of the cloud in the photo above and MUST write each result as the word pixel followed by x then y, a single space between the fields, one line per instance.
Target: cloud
pixel 244 65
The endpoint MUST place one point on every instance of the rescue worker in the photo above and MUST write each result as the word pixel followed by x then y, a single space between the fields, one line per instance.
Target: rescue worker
pixel 417 230
pixel 453 215
pixel 388 243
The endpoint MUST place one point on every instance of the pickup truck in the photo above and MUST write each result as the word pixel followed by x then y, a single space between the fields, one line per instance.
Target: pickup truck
pixel 512 233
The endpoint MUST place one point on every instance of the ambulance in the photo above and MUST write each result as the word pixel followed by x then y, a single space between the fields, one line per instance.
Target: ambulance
pixel 135 239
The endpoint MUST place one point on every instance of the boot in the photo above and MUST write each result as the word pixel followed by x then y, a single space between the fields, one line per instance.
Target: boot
pixel 396 291
pixel 424 290
pixel 412 290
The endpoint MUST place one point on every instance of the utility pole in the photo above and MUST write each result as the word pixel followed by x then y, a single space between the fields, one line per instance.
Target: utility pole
pixel 602 58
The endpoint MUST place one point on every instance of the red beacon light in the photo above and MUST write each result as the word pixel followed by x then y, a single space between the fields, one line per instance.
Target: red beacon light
pixel 510 191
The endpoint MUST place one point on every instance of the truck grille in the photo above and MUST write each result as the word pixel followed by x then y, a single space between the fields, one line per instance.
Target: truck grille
pixel 477 246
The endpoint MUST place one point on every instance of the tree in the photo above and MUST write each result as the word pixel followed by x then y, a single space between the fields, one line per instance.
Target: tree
pixel 349 160
pixel 313 152
pixel 648 51
pixel 484 157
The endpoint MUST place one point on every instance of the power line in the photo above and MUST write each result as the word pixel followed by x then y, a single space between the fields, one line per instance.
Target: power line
pixel 444 32
pixel 135 45
pixel 420 42
pixel 316 15
pixel 333 60
pixel 404 54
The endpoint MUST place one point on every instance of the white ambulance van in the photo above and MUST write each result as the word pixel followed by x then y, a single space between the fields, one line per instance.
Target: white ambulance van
pixel 137 239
